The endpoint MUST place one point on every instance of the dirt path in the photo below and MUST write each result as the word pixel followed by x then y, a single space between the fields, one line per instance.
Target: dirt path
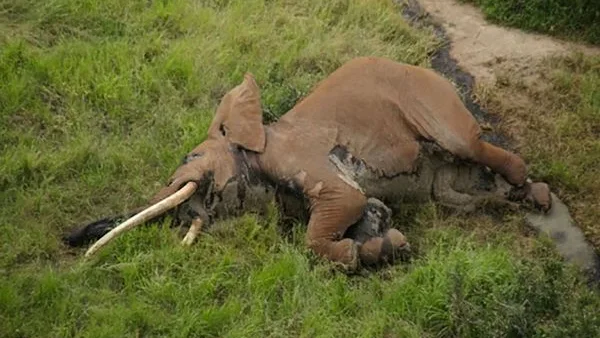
pixel 482 48
pixel 477 52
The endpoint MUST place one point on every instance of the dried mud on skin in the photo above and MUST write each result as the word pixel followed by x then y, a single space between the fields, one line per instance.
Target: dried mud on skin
pixel 474 50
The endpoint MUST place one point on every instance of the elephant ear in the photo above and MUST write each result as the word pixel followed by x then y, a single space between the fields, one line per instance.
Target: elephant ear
pixel 239 117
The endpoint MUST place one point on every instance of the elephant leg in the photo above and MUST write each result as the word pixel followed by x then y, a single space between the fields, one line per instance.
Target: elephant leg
pixel 333 211
pixel 513 169
pixel 384 249
pixel 444 193
pixel 450 176
pixel 505 163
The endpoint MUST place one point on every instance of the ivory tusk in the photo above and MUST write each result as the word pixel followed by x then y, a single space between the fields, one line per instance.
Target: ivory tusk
pixel 145 215
pixel 192 232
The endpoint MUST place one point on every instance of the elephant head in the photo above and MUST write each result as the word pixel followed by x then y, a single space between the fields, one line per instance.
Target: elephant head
pixel 236 124
pixel 210 167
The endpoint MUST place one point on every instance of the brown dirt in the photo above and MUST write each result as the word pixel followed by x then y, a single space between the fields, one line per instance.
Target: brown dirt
pixel 482 48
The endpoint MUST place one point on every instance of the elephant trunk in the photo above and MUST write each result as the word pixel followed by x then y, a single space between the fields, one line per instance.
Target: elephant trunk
pixel 154 210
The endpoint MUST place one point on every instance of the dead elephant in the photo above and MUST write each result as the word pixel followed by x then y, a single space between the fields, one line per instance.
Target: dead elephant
pixel 374 130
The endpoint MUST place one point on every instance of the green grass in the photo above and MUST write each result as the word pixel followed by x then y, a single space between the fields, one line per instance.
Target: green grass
pixel 98 102
pixel 571 19
pixel 558 127
pixel 147 285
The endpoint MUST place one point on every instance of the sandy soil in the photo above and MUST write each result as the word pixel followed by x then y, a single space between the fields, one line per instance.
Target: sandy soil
pixel 482 48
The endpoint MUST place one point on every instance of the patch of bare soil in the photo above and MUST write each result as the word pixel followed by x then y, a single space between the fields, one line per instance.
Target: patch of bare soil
pixel 482 48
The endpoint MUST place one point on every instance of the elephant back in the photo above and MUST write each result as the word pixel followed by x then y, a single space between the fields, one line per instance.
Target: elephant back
pixel 382 110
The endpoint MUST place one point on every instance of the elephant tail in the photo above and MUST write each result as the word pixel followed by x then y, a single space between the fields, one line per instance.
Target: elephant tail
pixel 93 231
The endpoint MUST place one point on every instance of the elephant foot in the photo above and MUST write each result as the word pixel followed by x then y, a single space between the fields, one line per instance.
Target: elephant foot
pixel 390 248
pixel 537 194
pixel 377 241
pixel 342 254
pixel 350 263
pixel 395 246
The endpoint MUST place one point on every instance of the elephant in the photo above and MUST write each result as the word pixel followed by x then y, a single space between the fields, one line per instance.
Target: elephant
pixel 371 135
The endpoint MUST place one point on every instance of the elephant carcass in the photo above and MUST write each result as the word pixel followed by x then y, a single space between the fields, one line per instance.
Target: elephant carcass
pixel 374 128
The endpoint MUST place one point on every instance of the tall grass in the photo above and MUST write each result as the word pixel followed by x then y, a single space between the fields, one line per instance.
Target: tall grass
pixel 98 102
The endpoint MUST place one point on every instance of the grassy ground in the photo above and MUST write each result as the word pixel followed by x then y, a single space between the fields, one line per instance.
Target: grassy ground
pixel 100 99
pixel 553 108
pixel 554 112
pixel 570 19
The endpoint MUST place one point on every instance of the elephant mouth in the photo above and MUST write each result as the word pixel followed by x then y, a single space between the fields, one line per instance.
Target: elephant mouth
pixel 200 205
pixel 145 215
pixel 200 199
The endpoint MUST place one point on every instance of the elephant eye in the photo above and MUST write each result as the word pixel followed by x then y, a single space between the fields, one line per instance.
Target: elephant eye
pixel 191 157
pixel 222 129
